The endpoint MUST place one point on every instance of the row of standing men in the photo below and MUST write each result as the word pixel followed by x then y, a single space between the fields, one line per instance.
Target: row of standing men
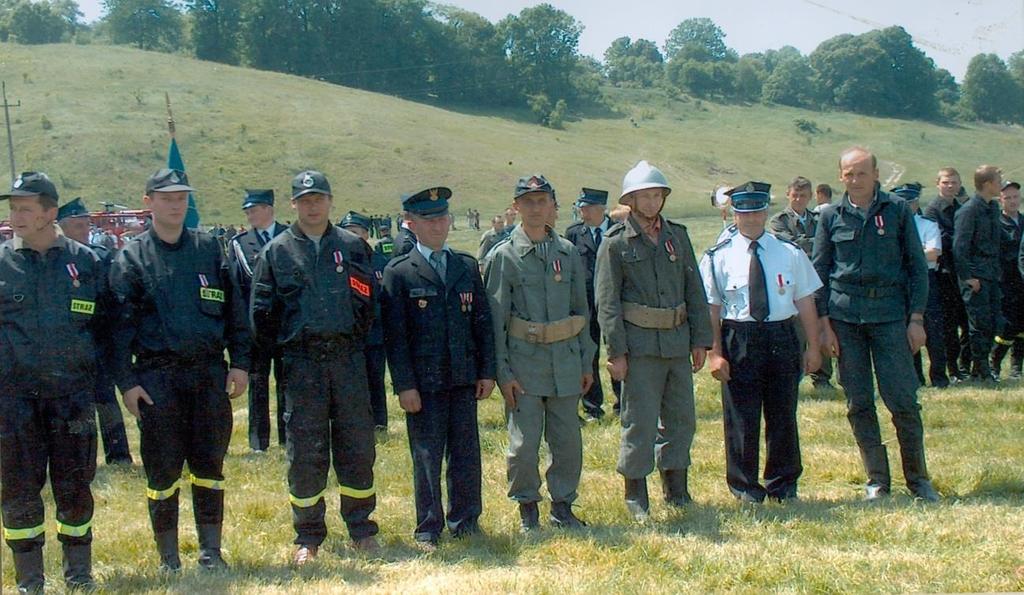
pixel 170 305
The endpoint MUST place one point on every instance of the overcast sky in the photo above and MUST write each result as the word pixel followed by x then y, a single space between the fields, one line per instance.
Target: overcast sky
pixel 951 32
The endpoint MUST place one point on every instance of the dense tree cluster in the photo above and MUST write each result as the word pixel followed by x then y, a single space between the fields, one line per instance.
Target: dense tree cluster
pixel 433 52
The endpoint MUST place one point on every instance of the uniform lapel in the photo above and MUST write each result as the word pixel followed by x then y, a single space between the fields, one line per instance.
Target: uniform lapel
pixel 423 268
pixel 454 272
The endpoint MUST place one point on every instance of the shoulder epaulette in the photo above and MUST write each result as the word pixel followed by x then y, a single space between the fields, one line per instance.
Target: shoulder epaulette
pixel 718 246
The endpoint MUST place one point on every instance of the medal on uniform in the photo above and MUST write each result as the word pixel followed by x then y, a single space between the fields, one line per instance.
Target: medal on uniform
pixel 671 249
pixel 422 304
pixel 557 265
pixel 339 260
pixel 463 298
pixel 880 224
pixel 782 284
pixel 469 301
pixel 73 271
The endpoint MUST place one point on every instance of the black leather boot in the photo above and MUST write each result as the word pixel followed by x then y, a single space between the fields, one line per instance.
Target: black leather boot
pixel 673 486
pixel 876 463
pixel 78 566
pixel 915 470
pixel 562 516
pixel 209 547
pixel 529 517
pixel 637 502
pixel 28 571
pixel 167 547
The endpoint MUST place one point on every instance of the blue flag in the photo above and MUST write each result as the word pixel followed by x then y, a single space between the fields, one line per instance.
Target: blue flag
pixel 174 162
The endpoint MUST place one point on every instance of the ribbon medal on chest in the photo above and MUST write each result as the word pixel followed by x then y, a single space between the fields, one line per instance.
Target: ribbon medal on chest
pixel 880 224
pixel 466 297
pixel 671 249
pixel 557 265
pixel 208 293
pixel 339 261
pixel 73 273
pixel 782 284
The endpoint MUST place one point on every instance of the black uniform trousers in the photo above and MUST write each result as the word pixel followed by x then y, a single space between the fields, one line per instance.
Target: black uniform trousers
pixel 764 366
pixel 259 400
pixel 376 356
pixel 327 416
pixel 445 429
pixel 594 398
pixel 882 346
pixel 111 422
pixel 189 422
pixel 934 327
pixel 954 319
pixel 983 312
pixel 36 434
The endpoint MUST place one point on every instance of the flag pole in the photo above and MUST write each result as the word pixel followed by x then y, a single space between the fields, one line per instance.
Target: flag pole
pixel 170 116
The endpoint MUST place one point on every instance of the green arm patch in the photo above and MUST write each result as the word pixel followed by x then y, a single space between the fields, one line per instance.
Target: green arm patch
pixel 83 307
pixel 209 293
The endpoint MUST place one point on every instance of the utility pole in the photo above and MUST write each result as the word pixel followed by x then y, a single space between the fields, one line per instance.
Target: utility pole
pixel 7 120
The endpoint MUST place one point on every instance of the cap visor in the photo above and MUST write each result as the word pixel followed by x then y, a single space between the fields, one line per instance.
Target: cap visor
pixel 306 191
pixel 174 188
pixel 19 193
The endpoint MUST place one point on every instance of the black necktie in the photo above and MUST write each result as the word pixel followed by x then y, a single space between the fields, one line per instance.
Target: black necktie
pixel 265 235
pixel 597 237
pixel 758 287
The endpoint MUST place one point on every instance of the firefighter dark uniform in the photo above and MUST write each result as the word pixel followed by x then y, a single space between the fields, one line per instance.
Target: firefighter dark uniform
pixel 875 278
pixel 652 308
pixel 955 335
pixel 1011 332
pixel 108 410
pixel 405 239
pixel 315 302
pixel 52 317
pixel 177 311
pixel 440 342
pixel 587 240
pixel 760 342
pixel 242 251
pixel 788 225
pixel 976 253
pixel 374 353
pixel 385 247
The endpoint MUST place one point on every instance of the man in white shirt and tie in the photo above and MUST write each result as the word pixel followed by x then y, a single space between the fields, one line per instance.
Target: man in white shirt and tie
pixel 758 286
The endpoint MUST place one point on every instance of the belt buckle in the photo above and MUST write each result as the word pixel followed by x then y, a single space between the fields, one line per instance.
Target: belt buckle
pixel 532 333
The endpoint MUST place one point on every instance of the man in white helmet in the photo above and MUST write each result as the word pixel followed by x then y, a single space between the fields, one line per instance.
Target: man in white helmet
pixel 655 321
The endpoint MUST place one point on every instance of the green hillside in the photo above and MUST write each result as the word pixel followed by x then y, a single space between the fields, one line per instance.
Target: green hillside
pixel 244 128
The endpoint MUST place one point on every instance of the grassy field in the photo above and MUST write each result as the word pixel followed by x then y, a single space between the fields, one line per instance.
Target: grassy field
pixel 94 118
pixel 830 541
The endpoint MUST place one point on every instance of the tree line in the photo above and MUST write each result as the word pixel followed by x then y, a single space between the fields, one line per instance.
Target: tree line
pixel 429 52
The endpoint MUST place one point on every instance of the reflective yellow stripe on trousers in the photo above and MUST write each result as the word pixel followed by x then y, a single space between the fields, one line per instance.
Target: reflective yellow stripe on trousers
pixel 210 484
pixel 307 502
pixel 162 494
pixel 356 492
pixel 28 533
pixel 73 531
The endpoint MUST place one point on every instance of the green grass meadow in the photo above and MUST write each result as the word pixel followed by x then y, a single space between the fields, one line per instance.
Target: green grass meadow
pixel 830 541
pixel 104 133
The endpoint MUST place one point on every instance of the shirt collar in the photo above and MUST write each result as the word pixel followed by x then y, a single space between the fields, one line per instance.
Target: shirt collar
pixel 19 243
pixel 426 252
